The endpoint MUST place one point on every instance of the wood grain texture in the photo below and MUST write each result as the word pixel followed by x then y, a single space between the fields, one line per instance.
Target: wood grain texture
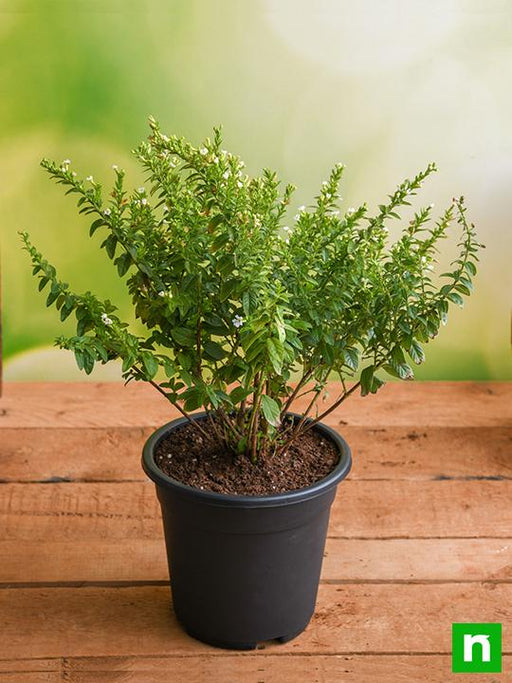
pixel 113 453
pixel 451 404
pixel 352 619
pixel 346 560
pixel 263 668
pixel 420 537
pixel 247 667
pixel 362 509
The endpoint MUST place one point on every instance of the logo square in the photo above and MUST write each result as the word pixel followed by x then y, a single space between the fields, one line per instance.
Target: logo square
pixel 476 648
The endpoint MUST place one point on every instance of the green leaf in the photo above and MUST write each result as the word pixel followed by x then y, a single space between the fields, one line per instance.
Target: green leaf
pixel 416 352
pixel 110 245
pixel 456 298
pixel 275 353
pixel 123 262
pixel 88 361
pixel 366 380
pixel 194 398
pixel 271 410
pixel 238 394
pixel 79 357
pixel 183 336
pixel 470 267
pixel 169 367
pixel 43 282
pixel 150 364
pixel 52 296
pixel 214 351
pixel 97 224
pixel 351 357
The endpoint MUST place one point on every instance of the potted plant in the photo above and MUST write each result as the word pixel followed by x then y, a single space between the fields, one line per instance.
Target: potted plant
pixel 243 315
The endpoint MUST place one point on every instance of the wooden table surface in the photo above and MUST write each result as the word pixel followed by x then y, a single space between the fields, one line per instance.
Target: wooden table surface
pixel 420 537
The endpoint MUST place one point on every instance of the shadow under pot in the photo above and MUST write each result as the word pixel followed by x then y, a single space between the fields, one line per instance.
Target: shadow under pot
pixel 244 569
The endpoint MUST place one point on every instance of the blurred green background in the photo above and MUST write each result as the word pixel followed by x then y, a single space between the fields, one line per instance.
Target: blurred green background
pixel 384 87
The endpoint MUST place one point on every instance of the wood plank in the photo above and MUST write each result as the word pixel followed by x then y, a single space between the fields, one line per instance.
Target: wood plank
pixel 362 509
pixel 30 665
pixel 352 619
pixel 421 560
pixel 397 404
pixel 113 453
pixel 260 667
pixel 144 561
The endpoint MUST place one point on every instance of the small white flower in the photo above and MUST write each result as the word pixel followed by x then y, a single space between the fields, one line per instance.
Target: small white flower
pixel 335 213
pixel 215 160
pixel 351 210
pixel 90 178
pixel 238 321
pixel 430 267
pixel 115 167
pixel 242 164
pixel 165 138
pixel 143 201
pixel 287 240
pixel 385 229
pixel 203 151
pixel 225 175
pixel 325 183
pixel 166 208
pixel 107 212
pixel 162 293
pixel 106 320
pixel 301 208
pixel 73 174
pixel 141 190
pixel 414 247
pixel 286 228
pixel 239 184
pixel 328 195
pixel 431 206
pixel 66 162
pixel 423 259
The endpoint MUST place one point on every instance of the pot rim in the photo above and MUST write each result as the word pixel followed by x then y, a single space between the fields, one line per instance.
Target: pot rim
pixel 318 488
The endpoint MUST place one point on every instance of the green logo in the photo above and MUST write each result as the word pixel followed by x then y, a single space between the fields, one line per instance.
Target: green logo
pixel 476 648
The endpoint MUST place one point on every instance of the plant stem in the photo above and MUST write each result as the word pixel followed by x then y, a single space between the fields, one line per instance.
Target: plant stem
pixel 303 380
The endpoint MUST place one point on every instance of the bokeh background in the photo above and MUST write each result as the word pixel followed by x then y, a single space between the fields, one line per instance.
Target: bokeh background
pixel 384 86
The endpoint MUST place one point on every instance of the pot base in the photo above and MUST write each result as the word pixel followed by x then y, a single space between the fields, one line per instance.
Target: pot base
pixel 229 645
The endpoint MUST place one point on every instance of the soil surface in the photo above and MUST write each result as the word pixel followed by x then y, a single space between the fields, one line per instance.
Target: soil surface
pixel 190 458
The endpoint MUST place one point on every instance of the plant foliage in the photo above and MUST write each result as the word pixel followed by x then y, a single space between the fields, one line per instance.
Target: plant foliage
pixel 236 304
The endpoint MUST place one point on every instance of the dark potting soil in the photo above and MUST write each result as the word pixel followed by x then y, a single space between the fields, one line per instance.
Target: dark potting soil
pixel 192 459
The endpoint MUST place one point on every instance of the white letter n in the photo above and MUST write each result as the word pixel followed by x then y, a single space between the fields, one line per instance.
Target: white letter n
pixel 470 640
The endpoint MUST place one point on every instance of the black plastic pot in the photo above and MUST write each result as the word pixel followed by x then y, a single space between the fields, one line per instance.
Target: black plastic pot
pixel 244 569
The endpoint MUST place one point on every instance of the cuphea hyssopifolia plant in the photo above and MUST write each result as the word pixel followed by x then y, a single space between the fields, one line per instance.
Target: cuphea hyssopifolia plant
pixel 243 314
